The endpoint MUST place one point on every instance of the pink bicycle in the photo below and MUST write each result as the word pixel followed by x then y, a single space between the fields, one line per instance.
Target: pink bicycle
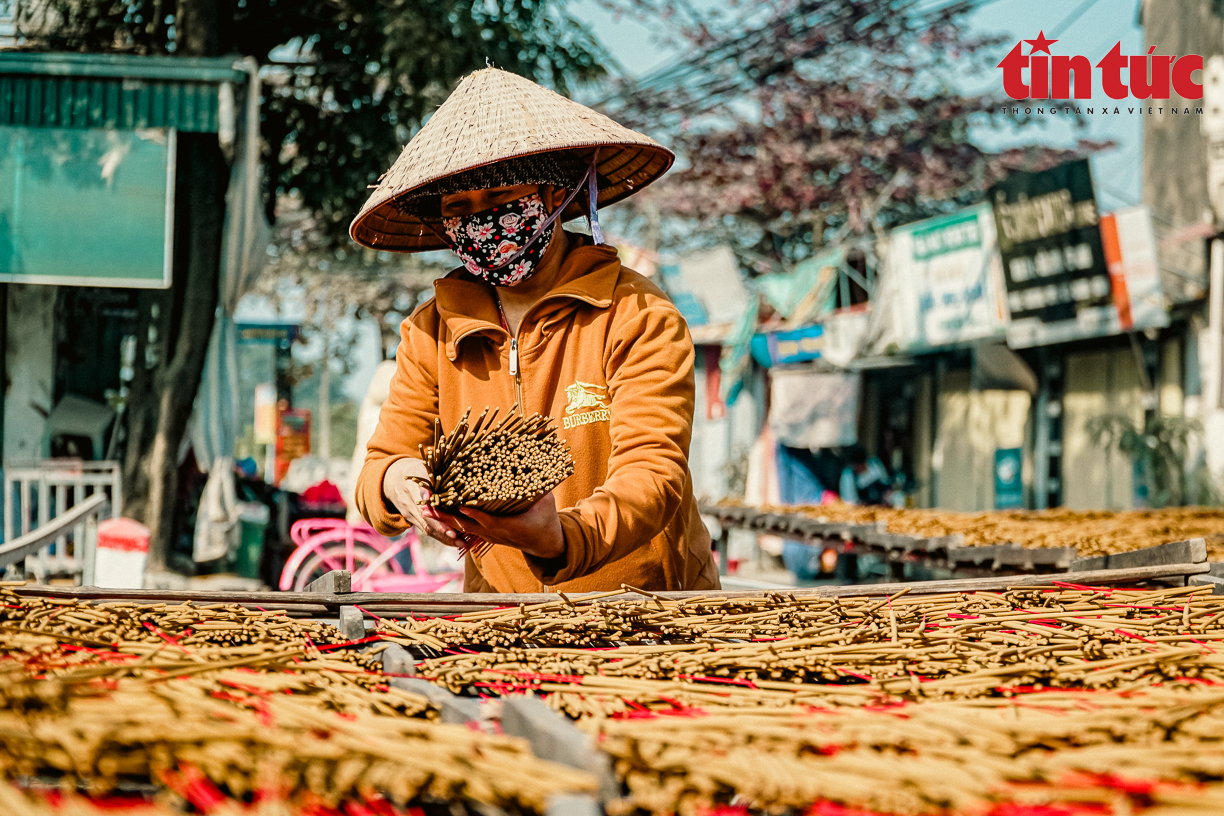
pixel 325 544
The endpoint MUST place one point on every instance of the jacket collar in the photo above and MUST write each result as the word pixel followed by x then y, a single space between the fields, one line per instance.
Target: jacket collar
pixel 467 305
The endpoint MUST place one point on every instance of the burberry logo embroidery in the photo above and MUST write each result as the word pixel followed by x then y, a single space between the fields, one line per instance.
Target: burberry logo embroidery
pixel 585 395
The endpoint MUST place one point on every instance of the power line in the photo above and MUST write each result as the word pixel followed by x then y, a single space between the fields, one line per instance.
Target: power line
pixel 1071 18
pixel 673 77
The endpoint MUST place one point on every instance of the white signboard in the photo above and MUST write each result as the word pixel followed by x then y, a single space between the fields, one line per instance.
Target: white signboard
pixel 948 280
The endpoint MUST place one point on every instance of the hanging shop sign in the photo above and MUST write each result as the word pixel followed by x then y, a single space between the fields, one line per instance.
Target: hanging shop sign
pixel 1135 298
pixel 87 207
pixel 949 280
pixel 1129 241
pixel 1058 284
pixel 292 439
pixel 1008 484
pixel 786 347
pixel 265 414
pixel 281 335
pixel 835 340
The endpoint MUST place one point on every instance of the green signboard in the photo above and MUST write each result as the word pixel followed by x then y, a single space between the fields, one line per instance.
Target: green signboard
pixel 86 207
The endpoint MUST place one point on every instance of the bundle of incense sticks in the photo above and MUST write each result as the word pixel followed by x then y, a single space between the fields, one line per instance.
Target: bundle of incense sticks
pixel 501 467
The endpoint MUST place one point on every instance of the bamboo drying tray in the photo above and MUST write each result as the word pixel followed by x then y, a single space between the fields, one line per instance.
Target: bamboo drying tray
pixel 1091 532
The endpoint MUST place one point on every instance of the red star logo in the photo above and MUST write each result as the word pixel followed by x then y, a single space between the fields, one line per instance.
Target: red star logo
pixel 1040 44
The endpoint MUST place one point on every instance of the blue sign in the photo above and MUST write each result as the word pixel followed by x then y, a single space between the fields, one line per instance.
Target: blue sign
pixel 795 346
pixel 267 334
pixel 1009 486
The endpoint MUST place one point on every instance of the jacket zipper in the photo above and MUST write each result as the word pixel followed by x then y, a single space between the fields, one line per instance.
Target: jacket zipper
pixel 514 355
pixel 516 373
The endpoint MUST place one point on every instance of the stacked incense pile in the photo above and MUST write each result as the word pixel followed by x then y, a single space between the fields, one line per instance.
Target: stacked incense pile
pixel 1050 753
pixel 605 657
pixel 1091 532
pixel 215 740
pixel 501 467
pixel 1059 700
pixel 217 705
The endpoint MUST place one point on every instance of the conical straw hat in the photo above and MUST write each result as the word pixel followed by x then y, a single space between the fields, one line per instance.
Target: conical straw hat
pixel 492 116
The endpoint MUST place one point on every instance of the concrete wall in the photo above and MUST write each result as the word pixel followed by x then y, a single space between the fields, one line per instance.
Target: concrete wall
pixel 1174 148
pixel 29 361
pixel 1098 383
pixel 972 424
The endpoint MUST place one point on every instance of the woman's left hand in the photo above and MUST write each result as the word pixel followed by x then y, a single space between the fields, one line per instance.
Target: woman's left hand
pixel 536 532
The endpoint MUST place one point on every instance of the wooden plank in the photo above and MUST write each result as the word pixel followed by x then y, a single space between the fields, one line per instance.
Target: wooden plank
pixel 947 542
pixel 779 522
pixel 811 528
pixel 1029 558
pixel 335 582
pixel 30 543
pixel 1058 556
pixel 1002 582
pixel 972 555
pixel 290 602
pixel 890 541
pixel 1175 552
pixel 457 603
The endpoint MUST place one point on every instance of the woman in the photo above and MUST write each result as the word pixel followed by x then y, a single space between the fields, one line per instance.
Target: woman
pixel 548 321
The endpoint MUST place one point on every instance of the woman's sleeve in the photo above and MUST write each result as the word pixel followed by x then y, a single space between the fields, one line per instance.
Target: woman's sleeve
pixel 649 360
pixel 406 421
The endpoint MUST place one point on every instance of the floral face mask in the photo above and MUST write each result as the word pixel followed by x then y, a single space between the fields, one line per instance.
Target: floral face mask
pixel 491 242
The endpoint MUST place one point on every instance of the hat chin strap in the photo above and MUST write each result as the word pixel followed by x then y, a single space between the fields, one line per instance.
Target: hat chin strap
pixel 591 182
pixel 593 200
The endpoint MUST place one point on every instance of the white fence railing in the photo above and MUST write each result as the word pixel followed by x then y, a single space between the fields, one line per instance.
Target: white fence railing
pixel 36 494
pixel 81 522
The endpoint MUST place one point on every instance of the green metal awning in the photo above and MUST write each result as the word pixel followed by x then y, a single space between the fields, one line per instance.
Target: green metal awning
pixel 113 91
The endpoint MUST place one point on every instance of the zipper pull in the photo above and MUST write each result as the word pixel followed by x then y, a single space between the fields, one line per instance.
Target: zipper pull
pixel 514 357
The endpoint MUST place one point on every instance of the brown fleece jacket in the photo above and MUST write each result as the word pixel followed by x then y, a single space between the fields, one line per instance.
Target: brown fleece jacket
pixel 609 357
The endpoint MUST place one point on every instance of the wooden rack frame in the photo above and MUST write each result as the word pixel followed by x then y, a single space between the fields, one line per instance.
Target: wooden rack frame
pixel 374 604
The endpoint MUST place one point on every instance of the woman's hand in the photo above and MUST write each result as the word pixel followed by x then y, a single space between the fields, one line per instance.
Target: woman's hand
pixel 408 497
pixel 536 532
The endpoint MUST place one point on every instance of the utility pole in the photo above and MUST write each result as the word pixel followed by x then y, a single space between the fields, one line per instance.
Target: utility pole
pixel 324 451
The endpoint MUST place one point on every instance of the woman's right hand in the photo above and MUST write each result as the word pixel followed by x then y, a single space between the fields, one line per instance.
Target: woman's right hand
pixel 408 496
